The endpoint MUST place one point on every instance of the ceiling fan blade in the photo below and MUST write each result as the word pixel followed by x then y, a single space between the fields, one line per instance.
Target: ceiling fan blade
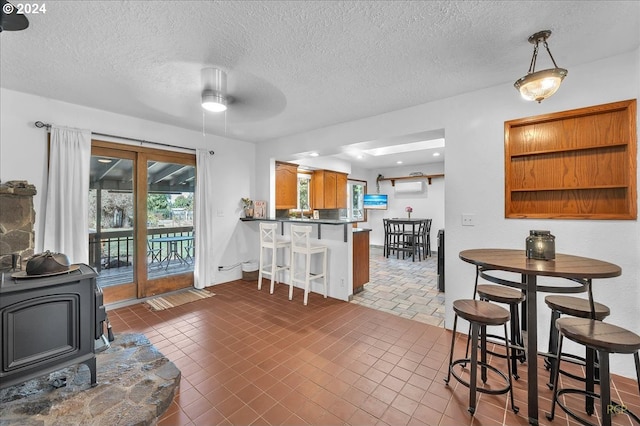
pixel 10 19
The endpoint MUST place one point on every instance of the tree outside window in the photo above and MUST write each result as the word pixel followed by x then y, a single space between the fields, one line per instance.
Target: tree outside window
pixel 304 184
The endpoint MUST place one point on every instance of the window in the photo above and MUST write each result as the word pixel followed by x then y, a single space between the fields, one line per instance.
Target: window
pixel 304 186
pixel 355 192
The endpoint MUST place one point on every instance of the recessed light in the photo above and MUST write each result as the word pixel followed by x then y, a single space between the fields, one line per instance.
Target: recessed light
pixel 104 160
pixel 314 154
pixel 436 154
pixel 398 162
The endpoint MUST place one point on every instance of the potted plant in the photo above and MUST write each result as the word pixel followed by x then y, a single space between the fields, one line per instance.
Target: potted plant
pixel 247 205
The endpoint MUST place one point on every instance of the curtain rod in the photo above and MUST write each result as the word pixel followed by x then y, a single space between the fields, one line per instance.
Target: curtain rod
pixel 40 124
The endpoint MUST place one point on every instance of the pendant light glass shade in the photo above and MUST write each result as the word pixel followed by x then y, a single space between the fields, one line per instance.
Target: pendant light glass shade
pixel 214 90
pixel 539 85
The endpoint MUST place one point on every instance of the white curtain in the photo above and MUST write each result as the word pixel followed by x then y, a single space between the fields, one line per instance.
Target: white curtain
pixel 204 268
pixel 67 203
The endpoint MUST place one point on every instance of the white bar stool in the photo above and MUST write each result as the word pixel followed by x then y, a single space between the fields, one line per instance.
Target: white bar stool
pixel 270 240
pixel 301 244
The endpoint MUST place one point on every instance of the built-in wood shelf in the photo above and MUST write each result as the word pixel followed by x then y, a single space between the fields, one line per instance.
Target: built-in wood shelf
pixel 427 177
pixel 577 164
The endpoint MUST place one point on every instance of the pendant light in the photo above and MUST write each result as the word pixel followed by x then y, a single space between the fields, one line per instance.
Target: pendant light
pixel 214 89
pixel 539 85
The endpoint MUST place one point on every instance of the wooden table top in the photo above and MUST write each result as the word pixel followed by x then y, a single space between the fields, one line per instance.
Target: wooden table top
pixel 564 265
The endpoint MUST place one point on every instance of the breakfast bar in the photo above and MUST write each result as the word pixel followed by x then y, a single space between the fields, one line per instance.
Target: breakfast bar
pixel 348 269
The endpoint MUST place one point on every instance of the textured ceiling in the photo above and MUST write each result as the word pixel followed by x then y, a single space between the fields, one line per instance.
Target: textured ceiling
pixel 299 65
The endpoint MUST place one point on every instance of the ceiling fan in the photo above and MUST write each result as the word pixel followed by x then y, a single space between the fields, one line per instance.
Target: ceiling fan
pixel 10 19
pixel 251 98
pixel 214 90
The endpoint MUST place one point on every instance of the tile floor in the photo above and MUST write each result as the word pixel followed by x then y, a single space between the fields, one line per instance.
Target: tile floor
pixel 403 287
pixel 251 358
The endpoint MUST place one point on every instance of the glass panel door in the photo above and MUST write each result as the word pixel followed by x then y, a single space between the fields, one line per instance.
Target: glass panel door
pixel 169 240
pixel 169 218
pixel 112 222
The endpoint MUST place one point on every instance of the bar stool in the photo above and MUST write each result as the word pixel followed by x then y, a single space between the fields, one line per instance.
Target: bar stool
pixel 480 314
pixel 575 307
pixel 605 339
pixel 270 241
pixel 513 298
pixel 301 245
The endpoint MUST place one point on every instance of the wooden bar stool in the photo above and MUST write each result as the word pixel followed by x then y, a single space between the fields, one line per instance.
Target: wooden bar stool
pixel 513 298
pixel 269 240
pixel 580 308
pixel 480 314
pixel 301 245
pixel 605 339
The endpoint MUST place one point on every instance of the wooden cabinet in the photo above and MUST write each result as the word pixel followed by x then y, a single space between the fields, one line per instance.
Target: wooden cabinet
pixel 341 191
pixel 360 260
pixel 286 185
pixel 329 190
pixel 578 164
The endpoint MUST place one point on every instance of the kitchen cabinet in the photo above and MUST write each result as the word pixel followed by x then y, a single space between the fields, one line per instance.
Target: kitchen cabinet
pixel 329 190
pixel 360 259
pixel 286 185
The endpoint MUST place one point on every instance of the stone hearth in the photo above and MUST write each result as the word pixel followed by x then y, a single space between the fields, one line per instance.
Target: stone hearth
pixel 136 384
pixel 17 219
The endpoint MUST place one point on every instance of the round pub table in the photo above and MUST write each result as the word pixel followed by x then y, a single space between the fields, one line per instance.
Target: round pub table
pixel 579 270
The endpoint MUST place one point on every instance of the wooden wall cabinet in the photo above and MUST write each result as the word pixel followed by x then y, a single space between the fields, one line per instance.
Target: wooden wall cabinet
pixel 578 164
pixel 329 190
pixel 286 185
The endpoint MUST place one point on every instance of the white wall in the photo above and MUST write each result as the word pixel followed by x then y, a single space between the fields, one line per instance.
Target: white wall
pixel 474 180
pixel 23 156
pixel 426 204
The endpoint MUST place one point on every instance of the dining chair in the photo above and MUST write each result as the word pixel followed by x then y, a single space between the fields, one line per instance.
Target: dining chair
pixel 154 253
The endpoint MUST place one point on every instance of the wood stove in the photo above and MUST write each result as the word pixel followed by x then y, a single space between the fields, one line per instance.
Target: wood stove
pixel 48 324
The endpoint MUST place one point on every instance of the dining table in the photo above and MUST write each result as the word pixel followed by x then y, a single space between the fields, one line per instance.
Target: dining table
pixel 172 247
pixel 407 236
pixel 576 274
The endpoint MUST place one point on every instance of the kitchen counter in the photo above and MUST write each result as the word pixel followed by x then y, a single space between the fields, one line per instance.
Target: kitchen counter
pixel 348 251
pixel 348 224
pixel 305 220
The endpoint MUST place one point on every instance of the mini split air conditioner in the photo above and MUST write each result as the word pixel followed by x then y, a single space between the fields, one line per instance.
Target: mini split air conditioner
pixel 408 187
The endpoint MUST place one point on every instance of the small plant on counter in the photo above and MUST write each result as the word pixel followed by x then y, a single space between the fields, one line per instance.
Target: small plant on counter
pixel 247 205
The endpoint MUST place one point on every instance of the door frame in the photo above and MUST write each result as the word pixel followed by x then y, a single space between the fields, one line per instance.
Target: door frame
pixel 141 286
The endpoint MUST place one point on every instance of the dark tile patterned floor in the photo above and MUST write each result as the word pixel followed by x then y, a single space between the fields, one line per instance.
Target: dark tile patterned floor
pixel 251 358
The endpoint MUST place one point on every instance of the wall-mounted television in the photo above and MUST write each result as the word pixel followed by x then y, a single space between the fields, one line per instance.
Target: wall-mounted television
pixel 375 201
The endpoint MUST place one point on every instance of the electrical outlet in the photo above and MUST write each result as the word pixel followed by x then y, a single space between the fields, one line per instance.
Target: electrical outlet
pixel 468 219
pixel 220 213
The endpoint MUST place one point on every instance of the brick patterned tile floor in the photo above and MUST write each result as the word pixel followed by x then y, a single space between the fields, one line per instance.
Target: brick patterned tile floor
pixel 251 358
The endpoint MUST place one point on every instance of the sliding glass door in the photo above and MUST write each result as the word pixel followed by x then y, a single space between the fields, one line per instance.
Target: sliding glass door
pixel 141 220
pixel 112 222
pixel 169 222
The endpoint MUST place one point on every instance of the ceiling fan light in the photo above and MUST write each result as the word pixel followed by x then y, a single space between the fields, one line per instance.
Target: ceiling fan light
pixel 540 85
pixel 214 102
